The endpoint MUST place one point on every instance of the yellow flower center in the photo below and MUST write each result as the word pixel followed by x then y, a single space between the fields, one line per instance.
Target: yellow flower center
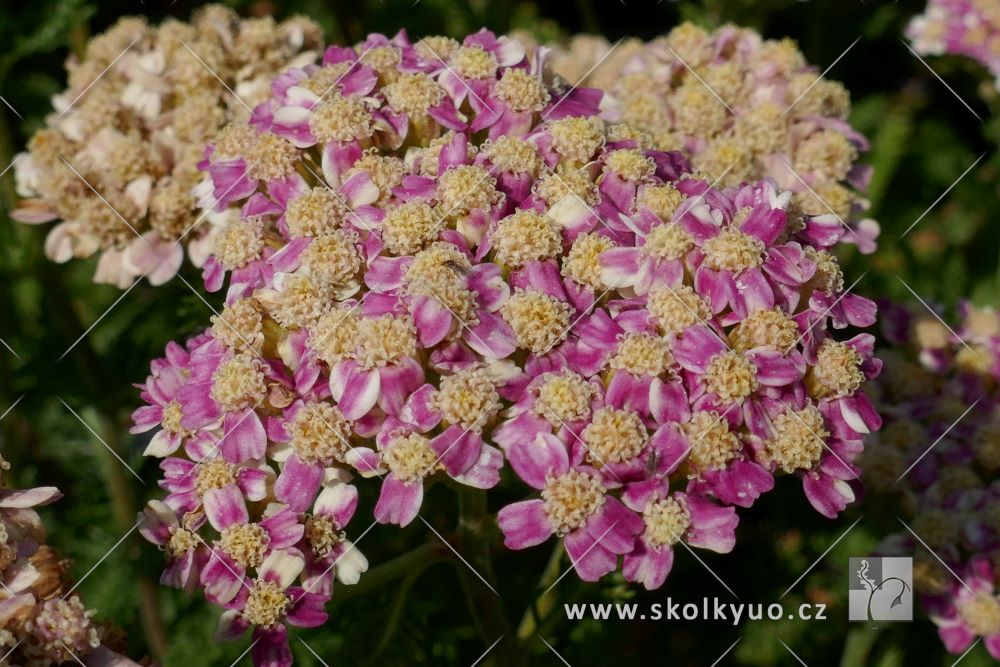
pixel 769 327
pixel 181 541
pixel 214 474
pixel 630 164
pixel 583 264
pixel 613 436
pixel 666 521
pixel 525 236
pixel 385 339
pixel 245 543
pixel 238 383
pixel 571 499
pixel 712 444
pixel 577 138
pixel 642 354
pixel 732 250
pixel 521 91
pixel 981 613
pixel 464 188
pixel 539 321
pixel 474 62
pixel 341 119
pixel 731 376
pixel 413 93
pixel 265 605
pixel 408 227
pixel 322 535
pixel 319 433
pixel 798 439
pixel 410 458
pixel 667 241
pixel 563 398
pixel 837 371
pixel 678 308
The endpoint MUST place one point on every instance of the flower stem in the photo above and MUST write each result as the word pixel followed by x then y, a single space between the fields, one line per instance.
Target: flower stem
pixel 123 504
pixel 415 561
pixel 544 603
pixel 485 604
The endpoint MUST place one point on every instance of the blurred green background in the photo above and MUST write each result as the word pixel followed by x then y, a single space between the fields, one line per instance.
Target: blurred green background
pixel 71 409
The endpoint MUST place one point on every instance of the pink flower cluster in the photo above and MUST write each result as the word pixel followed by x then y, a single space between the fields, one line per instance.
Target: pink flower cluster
pixel 444 260
pixel 937 459
pixel 961 27
pixel 42 620
pixel 741 107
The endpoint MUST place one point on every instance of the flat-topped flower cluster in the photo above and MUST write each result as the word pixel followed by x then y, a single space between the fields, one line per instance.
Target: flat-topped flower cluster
pixel 743 108
pixel 446 261
pixel 117 159
pixel 42 620
pixel 960 27
pixel 937 458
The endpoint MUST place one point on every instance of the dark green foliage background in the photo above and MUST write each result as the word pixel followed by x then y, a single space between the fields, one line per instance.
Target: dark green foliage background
pixel 923 139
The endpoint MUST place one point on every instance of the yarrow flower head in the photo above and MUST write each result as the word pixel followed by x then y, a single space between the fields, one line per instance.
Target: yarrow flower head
pixel 937 460
pixel 961 27
pixel 42 620
pixel 463 261
pixel 117 160
pixel 742 108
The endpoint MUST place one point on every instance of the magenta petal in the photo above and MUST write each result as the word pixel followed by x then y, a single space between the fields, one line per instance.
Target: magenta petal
pixel 670 447
pixel 419 409
pixel 956 638
pixel 457 449
pixel 827 495
pixel 397 382
pixel 524 524
pixel 243 437
pixel 712 527
pixel 615 526
pixel 491 337
pixel 337 502
pixel 775 369
pixel 522 428
pixel 270 647
pixel 668 402
pixel 432 319
pixel 225 507
pixel 535 460
pixel 697 347
pixel 361 391
pixel 222 578
pixel 648 566
pixel 284 529
pixel 253 483
pixel 485 471
pixel 399 502
pixel 740 484
pixel 298 484
pixel 307 609
pixel 590 560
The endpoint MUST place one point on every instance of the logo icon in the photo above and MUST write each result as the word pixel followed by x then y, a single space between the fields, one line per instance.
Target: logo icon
pixel 880 589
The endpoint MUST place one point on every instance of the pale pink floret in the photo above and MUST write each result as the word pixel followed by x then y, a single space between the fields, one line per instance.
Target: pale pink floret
pixel 593 543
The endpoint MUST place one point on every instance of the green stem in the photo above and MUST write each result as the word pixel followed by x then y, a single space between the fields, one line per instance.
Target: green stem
pixel 122 494
pixel 485 605
pixel 543 604
pixel 396 613
pixel 415 561
pixel 858 645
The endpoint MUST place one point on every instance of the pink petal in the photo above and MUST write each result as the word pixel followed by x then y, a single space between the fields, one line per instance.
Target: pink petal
pixel 225 507
pixel 524 524
pixel 399 502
